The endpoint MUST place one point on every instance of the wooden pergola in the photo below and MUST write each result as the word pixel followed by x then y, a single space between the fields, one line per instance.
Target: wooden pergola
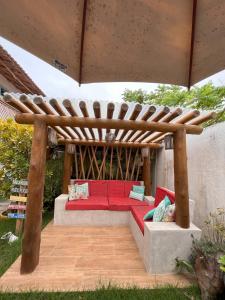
pixel 132 126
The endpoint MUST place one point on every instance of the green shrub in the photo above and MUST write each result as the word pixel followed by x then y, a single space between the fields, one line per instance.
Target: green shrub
pixel 15 149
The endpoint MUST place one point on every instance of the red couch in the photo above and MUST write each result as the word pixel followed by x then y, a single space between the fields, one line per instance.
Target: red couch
pixel 114 195
pixel 138 212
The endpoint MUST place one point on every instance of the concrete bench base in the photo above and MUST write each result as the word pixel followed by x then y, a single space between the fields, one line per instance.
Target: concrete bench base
pixel 160 245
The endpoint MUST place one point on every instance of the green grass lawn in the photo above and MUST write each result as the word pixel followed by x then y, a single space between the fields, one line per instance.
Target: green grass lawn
pixel 111 293
pixel 9 253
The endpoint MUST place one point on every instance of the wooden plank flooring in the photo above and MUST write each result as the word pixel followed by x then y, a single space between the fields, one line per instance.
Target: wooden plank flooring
pixel 84 258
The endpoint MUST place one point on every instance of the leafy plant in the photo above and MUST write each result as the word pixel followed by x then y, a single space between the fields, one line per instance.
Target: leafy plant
pixel 15 149
pixel 222 263
pixel 206 97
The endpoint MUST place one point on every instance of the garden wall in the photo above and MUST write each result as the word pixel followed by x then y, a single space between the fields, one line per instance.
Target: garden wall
pixel 206 170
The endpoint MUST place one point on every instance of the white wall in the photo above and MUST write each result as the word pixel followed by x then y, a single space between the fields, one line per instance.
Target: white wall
pixel 206 170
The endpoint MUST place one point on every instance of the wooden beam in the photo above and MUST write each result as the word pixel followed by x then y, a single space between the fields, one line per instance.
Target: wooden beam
pixel 68 106
pixel 16 104
pixel 181 179
pixel 85 113
pixel 29 104
pixel 134 115
pixel 196 121
pixel 159 115
pixel 36 178
pixel 188 116
pixel 43 105
pixel 113 144
pixel 104 123
pixel 168 118
pixel 67 170
pixel 97 112
pixel 122 113
pixel 54 103
pixel 151 110
pixel 203 118
pixel 110 110
pixel 147 173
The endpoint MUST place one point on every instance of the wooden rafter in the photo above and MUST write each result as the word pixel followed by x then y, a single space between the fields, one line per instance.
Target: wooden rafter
pixel 71 126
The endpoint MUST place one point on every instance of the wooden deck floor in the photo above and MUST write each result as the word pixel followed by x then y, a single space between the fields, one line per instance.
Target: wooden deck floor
pixel 83 258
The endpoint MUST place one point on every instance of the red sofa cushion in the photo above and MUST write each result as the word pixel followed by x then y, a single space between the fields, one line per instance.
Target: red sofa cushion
pixel 92 203
pixel 138 213
pixel 124 204
pixel 128 187
pixel 98 188
pixel 115 188
pixel 161 193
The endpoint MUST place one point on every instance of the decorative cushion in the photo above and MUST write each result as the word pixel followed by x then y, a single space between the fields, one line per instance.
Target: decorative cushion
pixel 128 185
pixel 160 210
pixel 72 192
pixel 136 196
pixel 82 191
pixel 149 215
pixel 139 189
pixel 169 214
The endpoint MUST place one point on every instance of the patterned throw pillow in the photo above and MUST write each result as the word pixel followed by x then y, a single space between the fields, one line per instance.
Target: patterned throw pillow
pixel 82 191
pixel 136 196
pixel 72 191
pixel 149 215
pixel 139 189
pixel 160 209
pixel 169 215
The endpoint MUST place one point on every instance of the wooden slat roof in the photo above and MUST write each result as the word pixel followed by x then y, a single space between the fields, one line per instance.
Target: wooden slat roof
pixel 107 111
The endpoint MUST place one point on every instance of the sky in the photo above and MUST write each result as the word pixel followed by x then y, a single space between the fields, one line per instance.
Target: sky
pixel 56 84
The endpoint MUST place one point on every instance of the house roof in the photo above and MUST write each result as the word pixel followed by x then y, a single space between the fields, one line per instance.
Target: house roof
pixel 6 111
pixel 12 71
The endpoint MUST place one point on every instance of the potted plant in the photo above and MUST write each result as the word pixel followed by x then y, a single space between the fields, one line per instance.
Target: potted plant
pixel 206 256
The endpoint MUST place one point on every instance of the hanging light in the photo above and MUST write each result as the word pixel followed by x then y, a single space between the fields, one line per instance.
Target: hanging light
pixel 71 148
pixel 168 140
pixel 145 152
pixel 52 138
pixel 110 137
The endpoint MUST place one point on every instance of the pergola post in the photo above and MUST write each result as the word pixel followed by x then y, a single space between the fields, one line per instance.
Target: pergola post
pixel 181 179
pixel 146 170
pixel 36 178
pixel 67 170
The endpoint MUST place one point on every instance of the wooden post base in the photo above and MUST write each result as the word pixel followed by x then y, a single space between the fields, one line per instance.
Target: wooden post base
pixel 181 179
pixel 32 230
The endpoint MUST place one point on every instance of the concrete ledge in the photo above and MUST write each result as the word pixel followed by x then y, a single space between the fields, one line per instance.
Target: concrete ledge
pixel 137 235
pixel 163 242
pixel 87 217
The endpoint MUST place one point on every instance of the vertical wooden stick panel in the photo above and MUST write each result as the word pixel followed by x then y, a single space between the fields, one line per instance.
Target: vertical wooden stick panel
pixel 147 173
pixel 181 179
pixel 36 177
pixel 67 170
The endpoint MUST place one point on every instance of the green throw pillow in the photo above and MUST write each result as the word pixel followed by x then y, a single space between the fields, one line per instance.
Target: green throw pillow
pixel 149 215
pixel 139 189
pixel 160 209
pixel 136 196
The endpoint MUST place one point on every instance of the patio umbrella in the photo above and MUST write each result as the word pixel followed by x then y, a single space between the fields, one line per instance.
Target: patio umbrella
pixel 169 41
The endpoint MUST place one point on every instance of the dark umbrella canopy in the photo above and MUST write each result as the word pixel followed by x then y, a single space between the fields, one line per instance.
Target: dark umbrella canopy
pixel 168 41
